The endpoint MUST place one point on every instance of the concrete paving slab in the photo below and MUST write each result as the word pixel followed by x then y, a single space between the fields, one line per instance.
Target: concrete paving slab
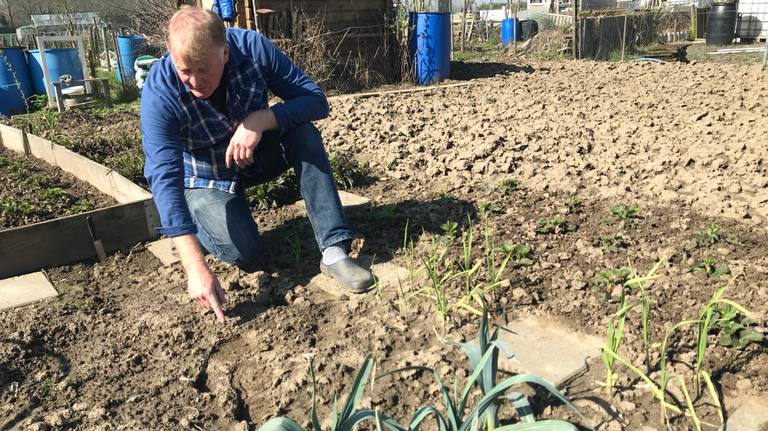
pixel 546 348
pixel 163 249
pixel 386 273
pixel 348 200
pixel 25 289
pixel 751 415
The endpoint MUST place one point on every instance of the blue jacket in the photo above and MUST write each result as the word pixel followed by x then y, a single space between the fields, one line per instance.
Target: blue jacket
pixel 185 138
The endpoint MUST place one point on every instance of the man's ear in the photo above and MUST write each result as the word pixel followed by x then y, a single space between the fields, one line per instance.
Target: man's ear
pixel 226 53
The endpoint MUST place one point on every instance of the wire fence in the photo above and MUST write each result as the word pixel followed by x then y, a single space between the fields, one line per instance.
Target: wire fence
pixel 752 20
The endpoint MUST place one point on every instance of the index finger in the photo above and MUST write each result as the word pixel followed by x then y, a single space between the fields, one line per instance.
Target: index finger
pixel 228 155
pixel 216 306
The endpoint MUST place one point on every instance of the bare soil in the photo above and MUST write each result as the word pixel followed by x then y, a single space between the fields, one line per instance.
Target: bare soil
pixel 32 191
pixel 123 348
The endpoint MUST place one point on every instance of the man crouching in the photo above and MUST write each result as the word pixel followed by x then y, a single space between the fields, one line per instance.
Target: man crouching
pixel 208 133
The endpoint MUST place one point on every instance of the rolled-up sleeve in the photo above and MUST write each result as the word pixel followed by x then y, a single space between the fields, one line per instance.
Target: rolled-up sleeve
pixel 303 100
pixel 164 164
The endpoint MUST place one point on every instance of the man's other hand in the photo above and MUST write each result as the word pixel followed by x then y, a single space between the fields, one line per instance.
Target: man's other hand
pixel 204 287
pixel 247 136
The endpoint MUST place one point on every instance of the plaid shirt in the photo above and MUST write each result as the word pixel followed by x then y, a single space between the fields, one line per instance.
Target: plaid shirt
pixel 205 133
pixel 185 138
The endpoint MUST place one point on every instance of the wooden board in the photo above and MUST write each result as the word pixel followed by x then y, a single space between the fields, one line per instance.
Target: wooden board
pixel 83 169
pixel 12 139
pixel 125 190
pixel 26 289
pixel 42 149
pixel 67 240
pixel 103 178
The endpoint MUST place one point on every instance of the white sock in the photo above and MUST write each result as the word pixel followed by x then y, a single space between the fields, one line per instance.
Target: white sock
pixel 333 254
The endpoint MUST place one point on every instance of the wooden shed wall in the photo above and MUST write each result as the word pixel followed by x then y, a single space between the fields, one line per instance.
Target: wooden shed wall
pixel 337 14
pixel 357 28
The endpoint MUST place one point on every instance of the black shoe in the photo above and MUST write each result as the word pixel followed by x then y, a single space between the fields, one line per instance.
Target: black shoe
pixel 353 277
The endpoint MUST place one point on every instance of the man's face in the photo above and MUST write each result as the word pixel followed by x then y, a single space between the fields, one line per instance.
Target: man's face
pixel 202 77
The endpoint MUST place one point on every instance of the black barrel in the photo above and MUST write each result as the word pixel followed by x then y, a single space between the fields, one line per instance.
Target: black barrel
pixel 529 28
pixel 721 23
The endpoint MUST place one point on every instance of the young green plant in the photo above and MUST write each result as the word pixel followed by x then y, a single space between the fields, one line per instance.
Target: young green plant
pixel 457 415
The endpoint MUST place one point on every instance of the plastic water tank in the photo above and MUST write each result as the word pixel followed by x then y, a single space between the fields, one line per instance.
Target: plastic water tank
pixel 528 29
pixel 510 31
pixel 60 61
pixel 721 23
pixel 130 48
pixel 430 46
pixel 15 82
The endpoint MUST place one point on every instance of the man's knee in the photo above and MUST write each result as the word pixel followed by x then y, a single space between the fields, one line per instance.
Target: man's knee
pixel 225 226
pixel 245 253
pixel 305 138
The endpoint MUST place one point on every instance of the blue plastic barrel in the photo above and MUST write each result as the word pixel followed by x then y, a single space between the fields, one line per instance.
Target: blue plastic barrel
pixel 511 30
pixel 431 52
pixel 130 48
pixel 15 82
pixel 60 61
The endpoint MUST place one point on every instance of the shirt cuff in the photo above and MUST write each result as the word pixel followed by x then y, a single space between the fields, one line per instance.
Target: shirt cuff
pixel 175 231
pixel 279 111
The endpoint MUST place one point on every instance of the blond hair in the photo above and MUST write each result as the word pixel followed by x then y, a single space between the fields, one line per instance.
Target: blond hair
pixel 192 32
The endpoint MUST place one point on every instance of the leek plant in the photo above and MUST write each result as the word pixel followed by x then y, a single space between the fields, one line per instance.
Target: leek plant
pixel 457 414
pixel 616 325
pixel 706 319
pixel 645 303
pixel 349 416
pixel 460 416
pixel 611 348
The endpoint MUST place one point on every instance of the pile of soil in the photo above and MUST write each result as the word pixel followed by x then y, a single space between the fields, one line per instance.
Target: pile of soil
pixel 121 349
pixel 32 191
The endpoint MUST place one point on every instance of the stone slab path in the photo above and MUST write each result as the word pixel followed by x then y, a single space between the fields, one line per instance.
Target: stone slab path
pixel 543 347
pixel 25 289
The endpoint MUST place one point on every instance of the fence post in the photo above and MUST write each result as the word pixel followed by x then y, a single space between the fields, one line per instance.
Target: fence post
pixel 624 35
pixel 106 46
pixel 765 55
pixel 693 31
pixel 575 48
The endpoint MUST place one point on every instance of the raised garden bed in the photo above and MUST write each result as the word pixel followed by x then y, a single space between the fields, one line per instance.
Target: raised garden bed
pixel 33 191
pixel 110 137
pixel 84 231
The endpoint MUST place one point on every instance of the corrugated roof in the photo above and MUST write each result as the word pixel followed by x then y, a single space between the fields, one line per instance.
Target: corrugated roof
pixel 58 19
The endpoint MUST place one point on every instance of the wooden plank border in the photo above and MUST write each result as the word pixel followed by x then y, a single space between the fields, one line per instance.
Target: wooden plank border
pixel 68 239
pixel 13 139
pixel 104 179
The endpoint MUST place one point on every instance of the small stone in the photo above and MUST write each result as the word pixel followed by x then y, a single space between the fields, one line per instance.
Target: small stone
pixel 37 426
pixel 96 413
pixel 56 419
pixel 744 385
pixel 519 293
pixel 300 300
pixel 616 292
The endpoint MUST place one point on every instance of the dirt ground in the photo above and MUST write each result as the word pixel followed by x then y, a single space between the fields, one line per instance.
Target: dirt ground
pixel 123 348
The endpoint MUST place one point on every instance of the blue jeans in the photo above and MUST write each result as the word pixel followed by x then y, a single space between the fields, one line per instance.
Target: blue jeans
pixel 225 227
